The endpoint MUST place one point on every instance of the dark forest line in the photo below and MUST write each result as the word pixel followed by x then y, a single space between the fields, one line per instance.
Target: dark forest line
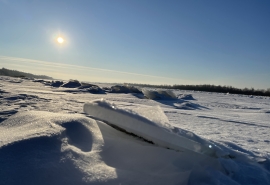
pixel 211 88
pixel 14 73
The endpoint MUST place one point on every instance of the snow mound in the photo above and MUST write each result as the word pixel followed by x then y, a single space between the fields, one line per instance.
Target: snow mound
pixel 124 89
pixel 57 83
pixel 47 82
pixel 185 97
pixel 158 94
pixel 73 149
pixel 86 85
pixel 94 89
pixel 106 89
pixel 72 84
pixel 37 145
pixel 153 126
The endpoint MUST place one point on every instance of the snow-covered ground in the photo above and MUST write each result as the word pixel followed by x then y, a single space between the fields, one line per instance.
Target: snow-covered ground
pixel 63 135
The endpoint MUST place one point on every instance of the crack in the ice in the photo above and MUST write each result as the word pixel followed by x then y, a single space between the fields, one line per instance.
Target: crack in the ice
pixel 124 131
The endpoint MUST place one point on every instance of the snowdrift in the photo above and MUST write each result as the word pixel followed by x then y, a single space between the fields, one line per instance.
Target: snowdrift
pixel 57 83
pixel 86 85
pixel 39 147
pixel 91 88
pixel 161 94
pixel 73 149
pixel 72 84
pixel 124 89
pixel 158 94
pixel 159 132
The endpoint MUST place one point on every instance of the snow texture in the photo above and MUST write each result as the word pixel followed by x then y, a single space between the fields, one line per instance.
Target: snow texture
pixel 46 137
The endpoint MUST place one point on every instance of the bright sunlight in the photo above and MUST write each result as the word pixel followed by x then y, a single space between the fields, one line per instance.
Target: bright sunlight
pixel 60 40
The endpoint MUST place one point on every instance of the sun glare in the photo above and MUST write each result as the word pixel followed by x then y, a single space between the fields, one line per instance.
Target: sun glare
pixel 60 40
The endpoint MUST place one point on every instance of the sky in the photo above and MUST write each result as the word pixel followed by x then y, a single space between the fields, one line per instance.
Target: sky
pixel 139 41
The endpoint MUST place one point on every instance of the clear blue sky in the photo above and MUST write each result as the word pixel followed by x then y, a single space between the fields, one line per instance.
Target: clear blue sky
pixel 143 41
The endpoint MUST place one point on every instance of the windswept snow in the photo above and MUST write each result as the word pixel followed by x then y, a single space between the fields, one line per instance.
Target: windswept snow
pixel 65 148
pixel 49 136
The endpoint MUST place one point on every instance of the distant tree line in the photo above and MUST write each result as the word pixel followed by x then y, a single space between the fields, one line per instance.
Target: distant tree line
pixel 211 88
pixel 14 73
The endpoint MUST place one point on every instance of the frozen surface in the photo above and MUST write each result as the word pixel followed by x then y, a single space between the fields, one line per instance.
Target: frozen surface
pixel 46 138
pixel 156 130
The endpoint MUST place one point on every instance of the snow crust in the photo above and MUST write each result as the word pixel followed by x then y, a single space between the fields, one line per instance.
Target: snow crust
pixel 47 138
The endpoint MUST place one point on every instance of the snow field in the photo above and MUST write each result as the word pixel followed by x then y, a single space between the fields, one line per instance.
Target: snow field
pixel 46 137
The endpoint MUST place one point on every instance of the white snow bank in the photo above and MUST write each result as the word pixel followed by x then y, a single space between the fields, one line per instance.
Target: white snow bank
pixel 49 148
pixel 37 145
pixel 158 94
pixel 152 127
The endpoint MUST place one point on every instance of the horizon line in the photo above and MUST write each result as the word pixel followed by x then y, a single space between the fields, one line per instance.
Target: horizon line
pixel 62 65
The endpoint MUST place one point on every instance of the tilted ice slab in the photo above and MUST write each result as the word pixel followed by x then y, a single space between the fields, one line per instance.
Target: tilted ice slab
pixel 151 125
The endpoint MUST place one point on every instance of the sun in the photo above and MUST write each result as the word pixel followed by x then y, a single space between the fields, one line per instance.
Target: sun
pixel 60 40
